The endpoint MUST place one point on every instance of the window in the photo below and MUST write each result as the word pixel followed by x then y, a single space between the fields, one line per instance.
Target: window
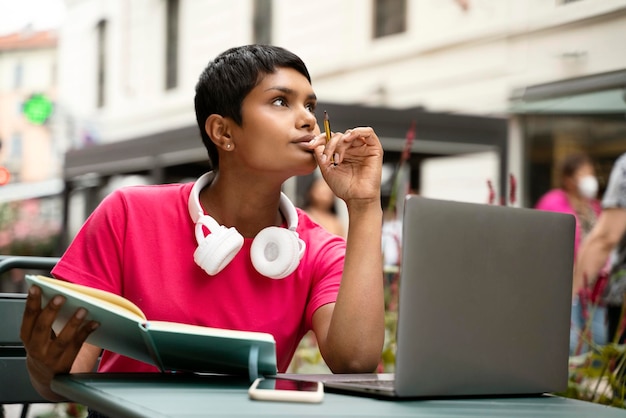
pixel 171 44
pixel 53 72
pixel 18 75
pixel 15 151
pixel 101 29
pixel 262 22
pixel 389 17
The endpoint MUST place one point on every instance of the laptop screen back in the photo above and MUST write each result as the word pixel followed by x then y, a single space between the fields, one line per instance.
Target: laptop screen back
pixel 485 297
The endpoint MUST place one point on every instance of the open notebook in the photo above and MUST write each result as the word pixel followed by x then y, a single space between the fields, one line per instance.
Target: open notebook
pixel 484 308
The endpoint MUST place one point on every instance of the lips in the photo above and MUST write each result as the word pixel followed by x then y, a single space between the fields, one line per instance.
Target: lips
pixel 305 138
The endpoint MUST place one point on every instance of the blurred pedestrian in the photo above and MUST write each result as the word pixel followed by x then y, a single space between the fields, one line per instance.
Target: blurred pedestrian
pixel 320 206
pixel 609 234
pixel 576 195
pixel 391 239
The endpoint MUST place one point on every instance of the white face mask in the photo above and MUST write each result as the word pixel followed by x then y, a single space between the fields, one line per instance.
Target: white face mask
pixel 588 186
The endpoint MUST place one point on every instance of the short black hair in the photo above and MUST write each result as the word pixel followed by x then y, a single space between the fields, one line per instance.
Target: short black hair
pixel 228 79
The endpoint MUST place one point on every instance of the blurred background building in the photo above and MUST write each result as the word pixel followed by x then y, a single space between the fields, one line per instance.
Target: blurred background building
pixel 495 87
pixel 30 157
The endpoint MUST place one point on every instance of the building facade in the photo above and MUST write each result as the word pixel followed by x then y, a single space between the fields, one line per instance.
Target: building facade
pixel 27 96
pixel 30 155
pixel 127 72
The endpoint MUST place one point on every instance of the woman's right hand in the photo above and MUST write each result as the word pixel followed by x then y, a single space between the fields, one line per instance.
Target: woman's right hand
pixel 49 354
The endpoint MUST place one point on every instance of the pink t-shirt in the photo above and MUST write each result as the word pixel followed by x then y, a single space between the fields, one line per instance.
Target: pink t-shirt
pixel 556 201
pixel 139 243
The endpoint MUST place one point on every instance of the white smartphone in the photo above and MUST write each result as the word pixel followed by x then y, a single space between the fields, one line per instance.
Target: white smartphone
pixel 285 390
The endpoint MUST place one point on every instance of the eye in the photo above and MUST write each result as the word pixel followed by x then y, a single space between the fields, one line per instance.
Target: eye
pixel 279 101
pixel 311 107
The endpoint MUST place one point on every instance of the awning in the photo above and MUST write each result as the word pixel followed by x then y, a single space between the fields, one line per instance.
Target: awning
pixel 591 95
pixel 440 132
pixel 23 191
pixel 599 102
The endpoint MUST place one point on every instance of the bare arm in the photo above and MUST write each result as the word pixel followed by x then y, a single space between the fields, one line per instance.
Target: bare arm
pixel 597 246
pixel 351 331
pixel 47 354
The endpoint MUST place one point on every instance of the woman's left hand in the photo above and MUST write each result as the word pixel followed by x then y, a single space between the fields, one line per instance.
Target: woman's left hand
pixel 351 163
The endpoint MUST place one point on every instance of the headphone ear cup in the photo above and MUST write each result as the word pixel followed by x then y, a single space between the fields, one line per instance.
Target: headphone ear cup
pixel 276 252
pixel 217 249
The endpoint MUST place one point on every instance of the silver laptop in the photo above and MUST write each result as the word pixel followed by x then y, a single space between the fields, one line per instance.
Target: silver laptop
pixel 484 305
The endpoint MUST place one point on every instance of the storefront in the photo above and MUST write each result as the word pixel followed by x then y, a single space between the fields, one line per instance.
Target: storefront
pixel 30 216
pixel 586 114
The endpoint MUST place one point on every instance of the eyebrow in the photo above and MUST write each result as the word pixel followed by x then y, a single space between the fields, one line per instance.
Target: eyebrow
pixel 291 92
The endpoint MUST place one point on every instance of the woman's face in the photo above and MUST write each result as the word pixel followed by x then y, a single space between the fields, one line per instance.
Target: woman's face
pixel 278 122
pixel 584 182
pixel 584 170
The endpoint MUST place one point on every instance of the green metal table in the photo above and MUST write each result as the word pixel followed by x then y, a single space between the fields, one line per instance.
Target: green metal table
pixel 188 395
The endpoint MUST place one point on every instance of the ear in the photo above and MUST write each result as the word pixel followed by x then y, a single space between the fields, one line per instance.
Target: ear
pixel 218 129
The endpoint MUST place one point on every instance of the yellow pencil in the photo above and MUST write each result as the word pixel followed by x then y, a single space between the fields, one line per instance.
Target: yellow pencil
pixel 327 127
pixel 328 133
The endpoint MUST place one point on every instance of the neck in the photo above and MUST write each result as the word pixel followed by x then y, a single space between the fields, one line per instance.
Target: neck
pixel 248 209
pixel 576 200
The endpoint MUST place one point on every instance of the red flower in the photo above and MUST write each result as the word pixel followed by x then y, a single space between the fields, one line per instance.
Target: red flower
pixel 512 188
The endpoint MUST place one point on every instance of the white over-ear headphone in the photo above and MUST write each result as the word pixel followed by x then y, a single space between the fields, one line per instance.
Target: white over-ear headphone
pixel 275 252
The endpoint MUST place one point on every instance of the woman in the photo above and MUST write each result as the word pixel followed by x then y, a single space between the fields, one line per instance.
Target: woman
pixel 577 196
pixel 186 252
pixel 320 206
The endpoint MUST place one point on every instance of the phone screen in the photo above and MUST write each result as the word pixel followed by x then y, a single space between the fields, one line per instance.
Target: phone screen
pixel 286 384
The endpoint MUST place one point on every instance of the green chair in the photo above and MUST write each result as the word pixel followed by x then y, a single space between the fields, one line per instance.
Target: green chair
pixel 15 386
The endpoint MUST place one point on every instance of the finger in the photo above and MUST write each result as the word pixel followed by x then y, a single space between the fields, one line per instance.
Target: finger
pixel 32 308
pixel 41 330
pixel 319 139
pixel 340 142
pixel 363 138
pixel 86 330
pixel 321 157
pixel 322 150
pixel 364 134
pixel 332 149
pixel 65 339
pixel 317 144
pixel 81 337
pixel 68 344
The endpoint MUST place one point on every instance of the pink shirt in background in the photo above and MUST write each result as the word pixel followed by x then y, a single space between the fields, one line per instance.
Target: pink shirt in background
pixel 556 201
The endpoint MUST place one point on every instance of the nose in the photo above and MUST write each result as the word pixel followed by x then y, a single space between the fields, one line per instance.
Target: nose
pixel 306 119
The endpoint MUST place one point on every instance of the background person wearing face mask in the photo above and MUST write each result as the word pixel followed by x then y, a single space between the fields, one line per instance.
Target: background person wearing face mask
pixel 607 238
pixel 577 196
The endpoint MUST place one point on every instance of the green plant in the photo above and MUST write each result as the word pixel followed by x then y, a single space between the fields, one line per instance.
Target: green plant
pixel 599 375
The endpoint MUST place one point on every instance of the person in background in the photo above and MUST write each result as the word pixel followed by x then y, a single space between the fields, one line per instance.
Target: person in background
pixel 391 240
pixel 320 206
pixel 576 195
pixel 607 236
